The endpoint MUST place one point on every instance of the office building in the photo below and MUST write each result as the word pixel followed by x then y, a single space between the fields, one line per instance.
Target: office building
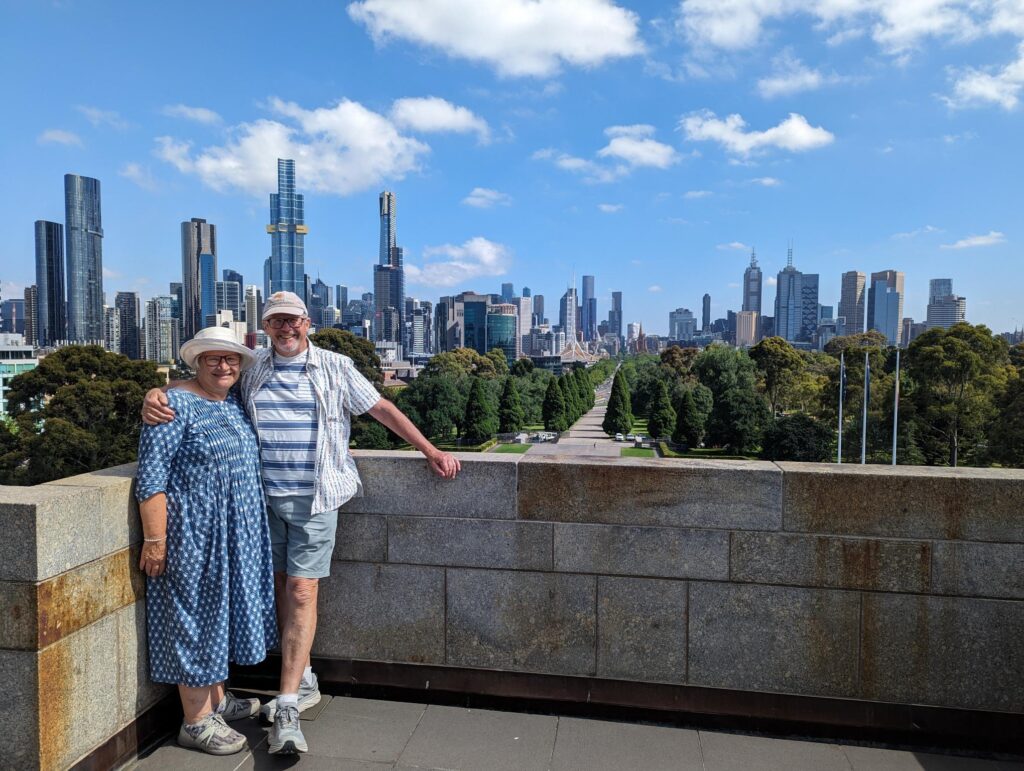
pixel 508 291
pixel 83 230
pixel 503 330
pixel 286 267
pixel 160 330
pixel 615 315
pixel 389 276
pixel 341 297
pixel 705 316
pixel 885 304
pixel 526 291
pixel 851 301
pixel 320 300
pixel 752 285
pixel 796 304
pixel 112 328
pixel 589 314
pixel 911 331
pixel 538 311
pixel 524 312
pixel 198 275
pixel 16 358
pixel 32 315
pixel 232 275
pixel 51 307
pixel 12 316
pixel 253 309
pixel 129 321
pixel 944 308
pixel 681 324
pixel 567 315
pixel 747 329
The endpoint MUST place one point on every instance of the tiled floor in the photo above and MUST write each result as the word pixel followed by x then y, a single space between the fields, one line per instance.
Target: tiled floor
pixel 346 733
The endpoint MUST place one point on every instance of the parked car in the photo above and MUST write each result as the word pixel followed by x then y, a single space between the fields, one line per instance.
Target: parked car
pixel 630 437
pixel 618 437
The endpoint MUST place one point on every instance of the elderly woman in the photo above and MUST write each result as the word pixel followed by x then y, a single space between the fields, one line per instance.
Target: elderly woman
pixel 206 549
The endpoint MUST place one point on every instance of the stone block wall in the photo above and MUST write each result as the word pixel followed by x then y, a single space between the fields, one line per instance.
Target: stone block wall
pixel 72 618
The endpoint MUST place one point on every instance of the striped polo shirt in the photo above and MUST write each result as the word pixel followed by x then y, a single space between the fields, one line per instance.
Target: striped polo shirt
pixel 286 413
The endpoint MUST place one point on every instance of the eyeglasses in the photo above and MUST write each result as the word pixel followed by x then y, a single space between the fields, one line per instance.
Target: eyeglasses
pixel 292 321
pixel 231 359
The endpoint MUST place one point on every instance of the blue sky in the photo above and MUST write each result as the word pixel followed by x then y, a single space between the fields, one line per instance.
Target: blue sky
pixel 651 144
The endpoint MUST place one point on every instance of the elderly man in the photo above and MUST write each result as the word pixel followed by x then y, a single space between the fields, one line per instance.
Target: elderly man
pixel 301 400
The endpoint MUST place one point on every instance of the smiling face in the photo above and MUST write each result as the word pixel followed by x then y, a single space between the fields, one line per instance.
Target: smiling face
pixel 287 333
pixel 217 371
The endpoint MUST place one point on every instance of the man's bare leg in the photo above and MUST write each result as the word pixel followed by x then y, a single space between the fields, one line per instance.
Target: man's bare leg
pixel 298 626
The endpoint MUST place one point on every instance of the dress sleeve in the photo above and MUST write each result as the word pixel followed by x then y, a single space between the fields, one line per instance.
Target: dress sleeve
pixel 360 394
pixel 157 447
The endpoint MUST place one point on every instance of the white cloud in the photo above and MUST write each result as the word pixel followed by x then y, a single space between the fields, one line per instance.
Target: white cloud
pixel 973 87
pixel 59 137
pixel 915 233
pixel 485 198
pixel 766 181
pixel 515 37
pixel 98 117
pixel 140 175
pixel 340 149
pixel 794 134
pixel 111 273
pixel 433 114
pixel 654 288
pixel 693 194
pixel 476 258
pixel 991 238
pixel 197 114
pixel 610 208
pixel 633 144
pixel 771 281
pixel 791 76
pixel 952 139
pixel 733 245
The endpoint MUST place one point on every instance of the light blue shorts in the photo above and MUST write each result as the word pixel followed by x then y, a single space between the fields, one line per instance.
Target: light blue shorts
pixel 302 542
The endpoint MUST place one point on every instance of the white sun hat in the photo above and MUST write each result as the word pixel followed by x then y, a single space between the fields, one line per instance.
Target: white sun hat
pixel 215 339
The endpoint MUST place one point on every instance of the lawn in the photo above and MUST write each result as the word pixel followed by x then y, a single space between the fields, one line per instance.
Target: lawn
pixel 702 452
pixel 640 426
pixel 514 448
pixel 637 452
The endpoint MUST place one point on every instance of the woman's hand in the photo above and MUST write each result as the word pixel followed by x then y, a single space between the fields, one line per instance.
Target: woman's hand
pixel 154 558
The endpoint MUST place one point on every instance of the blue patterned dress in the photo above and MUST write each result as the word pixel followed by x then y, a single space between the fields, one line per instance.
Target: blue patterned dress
pixel 215 601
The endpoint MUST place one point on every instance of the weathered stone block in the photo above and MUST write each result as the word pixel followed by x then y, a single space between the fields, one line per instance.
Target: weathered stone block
pixel 945 651
pixel 664 552
pixel 78 676
pixel 842 563
pixel 401 483
pixel 979 569
pixel 19 616
pixel 905 501
pixel 531 622
pixel 641 626
pixel 382 613
pixel 19 679
pixel 137 692
pixel 470 542
pixel 769 638
pixel 744 495
pixel 361 538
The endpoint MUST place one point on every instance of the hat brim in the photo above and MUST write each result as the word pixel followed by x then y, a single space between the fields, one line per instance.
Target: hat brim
pixel 196 347
pixel 284 310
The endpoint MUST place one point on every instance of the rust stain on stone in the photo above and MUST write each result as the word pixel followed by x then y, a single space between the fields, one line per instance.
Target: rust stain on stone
pixel 57 674
pixel 86 594
pixel 860 563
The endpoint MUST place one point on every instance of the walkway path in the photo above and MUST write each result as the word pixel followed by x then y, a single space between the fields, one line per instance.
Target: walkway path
pixel 585 437
pixel 372 735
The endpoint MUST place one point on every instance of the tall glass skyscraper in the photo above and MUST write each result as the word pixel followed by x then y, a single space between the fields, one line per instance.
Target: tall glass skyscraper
pixel 615 315
pixel 50 304
pixel 198 238
pixel 84 233
pixel 389 277
pixel 851 302
pixel 589 309
pixel 752 285
pixel 129 323
pixel 885 304
pixel 287 231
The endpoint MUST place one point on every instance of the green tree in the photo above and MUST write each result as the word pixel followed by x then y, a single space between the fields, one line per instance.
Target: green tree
pixel 679 361
pixel 532 389
pixel 511 416
pixel 661 419
pixel 689 427
pixel 357 348
pixel 434 404
pixel 521 367
pixel 797 437
pixel 618 418
pixel 499 360
pixel 481 421
pixel 779 363
pixel 368 434
pixel 960 373
pixel 572 406
pixel 462 362
pixel 1006 444
pixel 738 420
pixel 723 369
pixel 554 408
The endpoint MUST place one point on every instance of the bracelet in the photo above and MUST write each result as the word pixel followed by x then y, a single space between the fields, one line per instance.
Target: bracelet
pixel 155 540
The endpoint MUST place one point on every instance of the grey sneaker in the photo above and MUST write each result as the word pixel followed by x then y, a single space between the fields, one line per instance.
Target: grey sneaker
pixel 309 696
pixel 286 736
pixel 233 708
pixel 212 735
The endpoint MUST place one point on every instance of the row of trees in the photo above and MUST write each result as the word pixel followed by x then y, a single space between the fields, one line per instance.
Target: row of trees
pixel 961 398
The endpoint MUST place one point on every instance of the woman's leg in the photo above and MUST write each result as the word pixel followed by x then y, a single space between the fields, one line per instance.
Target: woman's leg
pixel 197 703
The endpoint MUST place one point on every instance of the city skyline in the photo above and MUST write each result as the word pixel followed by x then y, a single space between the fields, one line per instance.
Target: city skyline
pixel 870 152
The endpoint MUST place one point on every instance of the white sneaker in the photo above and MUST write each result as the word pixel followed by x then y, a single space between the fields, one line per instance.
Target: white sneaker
pixel 309 696
pixel 212 736
pixel 233 708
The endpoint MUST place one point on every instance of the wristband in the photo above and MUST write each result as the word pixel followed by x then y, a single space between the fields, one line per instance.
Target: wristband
pixel 155 540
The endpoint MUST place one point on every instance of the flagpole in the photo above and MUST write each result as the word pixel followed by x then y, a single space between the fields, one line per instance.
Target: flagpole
pixel 864 420
pixel 896 407
pixel 842 387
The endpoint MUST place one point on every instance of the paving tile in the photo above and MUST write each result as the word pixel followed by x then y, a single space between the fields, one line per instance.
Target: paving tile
pixel 363 729
pixel 736 752
pixel 261 761
pixel 480 740
pixel 597 745
pixel 876 759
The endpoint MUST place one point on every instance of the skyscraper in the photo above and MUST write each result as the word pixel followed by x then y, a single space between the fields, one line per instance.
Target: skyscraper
pixel 538 310
pixel 503 330
pixel 796 303
pixel 851 302
pixel 208 288
pixel 944 308
pixel 567 315
pixel 389 276
pixel 681 324
pixel 526 291
pixel 341 297
pixel 128 313
pixel 508 291
pixel 50 304
pixel 287 231
pixel 31 315
pixel 615 315
pixel 705 316
pixel 160 342
pixel 885 304
pixel 198 238
pixel 84 234
pixel 589 314
pixel 388 227
pixel 229 298
pixel 752 285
